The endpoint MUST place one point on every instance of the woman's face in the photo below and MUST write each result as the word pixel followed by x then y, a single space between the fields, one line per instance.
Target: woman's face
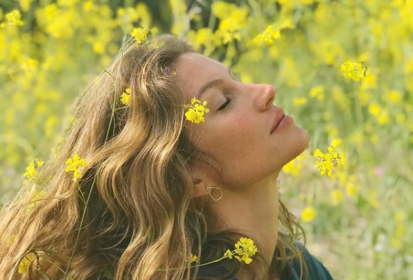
pixel 237 130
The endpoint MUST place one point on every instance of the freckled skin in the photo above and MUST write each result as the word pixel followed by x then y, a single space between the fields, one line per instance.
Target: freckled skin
pixel 239 135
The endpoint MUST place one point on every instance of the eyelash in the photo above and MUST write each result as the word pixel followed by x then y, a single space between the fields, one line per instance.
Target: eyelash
pixel 225 104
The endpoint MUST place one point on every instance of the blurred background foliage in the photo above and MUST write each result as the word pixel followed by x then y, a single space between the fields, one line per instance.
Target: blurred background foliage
pixel 357 220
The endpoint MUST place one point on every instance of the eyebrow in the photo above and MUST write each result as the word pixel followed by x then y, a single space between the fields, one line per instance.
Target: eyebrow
pixel 211 84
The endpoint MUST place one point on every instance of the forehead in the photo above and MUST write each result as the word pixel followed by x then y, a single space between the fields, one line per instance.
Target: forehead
pixel 194 70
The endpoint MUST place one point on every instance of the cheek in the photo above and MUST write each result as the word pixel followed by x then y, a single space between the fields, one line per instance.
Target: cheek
pixel 237 136
pixel 240 129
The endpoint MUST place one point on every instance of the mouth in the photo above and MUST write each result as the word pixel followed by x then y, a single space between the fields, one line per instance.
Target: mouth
pixel 277 121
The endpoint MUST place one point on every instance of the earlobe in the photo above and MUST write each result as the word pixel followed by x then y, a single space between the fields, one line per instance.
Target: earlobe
pixel 199 188
pixel 203 183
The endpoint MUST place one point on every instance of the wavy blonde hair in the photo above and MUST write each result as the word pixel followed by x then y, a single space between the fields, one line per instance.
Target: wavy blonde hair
pixel 131 215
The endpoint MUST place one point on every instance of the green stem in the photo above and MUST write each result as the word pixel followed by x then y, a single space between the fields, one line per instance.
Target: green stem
pixel 80 227
pixel 106 71
pixel 45 275
pixel 81 193
pixel 204 264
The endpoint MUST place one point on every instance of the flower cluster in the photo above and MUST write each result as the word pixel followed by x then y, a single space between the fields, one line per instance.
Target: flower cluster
pixel 326 161
pixel 196 111
pixel 74 164
pixel 267 36
pixel 140 35
pixel 353 70
pixel 244 250
pixel 31 170
pixel 125 97
pixel 12 18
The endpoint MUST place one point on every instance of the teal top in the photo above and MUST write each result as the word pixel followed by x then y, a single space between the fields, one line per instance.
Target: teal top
pixel 316 269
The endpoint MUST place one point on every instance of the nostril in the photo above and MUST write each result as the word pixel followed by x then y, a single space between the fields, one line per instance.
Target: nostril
pixel 270 95
pixel 271 101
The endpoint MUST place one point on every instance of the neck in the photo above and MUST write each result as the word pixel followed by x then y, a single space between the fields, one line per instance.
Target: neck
pixel 253 212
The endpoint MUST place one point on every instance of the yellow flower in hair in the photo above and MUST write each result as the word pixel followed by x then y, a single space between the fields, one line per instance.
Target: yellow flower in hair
pixel 125 97
pixel 25 263
pixel 140 35
pixel 353 70
pixel 194 258
pixel 245 249
pixel 31 170
pixel 228 254
pixel 74 164
pixel 196 111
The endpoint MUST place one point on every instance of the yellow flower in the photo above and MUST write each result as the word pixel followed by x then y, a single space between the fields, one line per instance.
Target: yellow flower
pixel 228 254
pixel 375 109
pixel 351 190
pixel 393 96
pixel 140 34
pixel 298 101
pixel 317 92
pixel 196 111
pixel 245 249
pixel 30 65
pixel 308 214
pixel 400 216
pixel 336 197
pixel 194 258
pixel 13 18
pixel 294 166
pixel 73 164
pixel 267 36
pixel 229 36
pixel 24 264
pixel 232 16
pixel 31 171
pixel 353 70
pixel 396 243
pixel 326 161
pixel 125 96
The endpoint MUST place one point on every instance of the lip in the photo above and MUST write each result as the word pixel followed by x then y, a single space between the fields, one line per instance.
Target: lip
pixel 279 115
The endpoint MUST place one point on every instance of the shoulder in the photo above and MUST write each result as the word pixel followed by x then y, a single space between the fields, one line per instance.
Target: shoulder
pixel 316 270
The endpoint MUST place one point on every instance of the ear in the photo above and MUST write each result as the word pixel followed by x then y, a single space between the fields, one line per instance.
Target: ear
pixel 201 182
pixel 199 188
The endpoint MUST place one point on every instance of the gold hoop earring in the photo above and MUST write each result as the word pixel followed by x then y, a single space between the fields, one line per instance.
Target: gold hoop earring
pixel 210 194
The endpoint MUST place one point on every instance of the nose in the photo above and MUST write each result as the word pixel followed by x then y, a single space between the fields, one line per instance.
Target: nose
pixel 266 95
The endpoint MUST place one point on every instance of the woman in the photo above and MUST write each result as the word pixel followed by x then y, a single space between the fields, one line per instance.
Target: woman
pixel 149 179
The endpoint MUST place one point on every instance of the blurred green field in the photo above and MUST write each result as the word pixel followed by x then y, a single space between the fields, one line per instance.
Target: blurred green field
pixel 357 220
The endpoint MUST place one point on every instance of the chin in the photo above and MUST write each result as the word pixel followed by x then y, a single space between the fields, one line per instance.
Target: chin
pixel 299 143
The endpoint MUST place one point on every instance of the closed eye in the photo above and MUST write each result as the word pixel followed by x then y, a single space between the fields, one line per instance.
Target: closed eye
pixel 225 104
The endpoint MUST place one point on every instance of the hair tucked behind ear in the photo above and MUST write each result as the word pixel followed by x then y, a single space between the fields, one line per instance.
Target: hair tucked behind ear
pixel 131 215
